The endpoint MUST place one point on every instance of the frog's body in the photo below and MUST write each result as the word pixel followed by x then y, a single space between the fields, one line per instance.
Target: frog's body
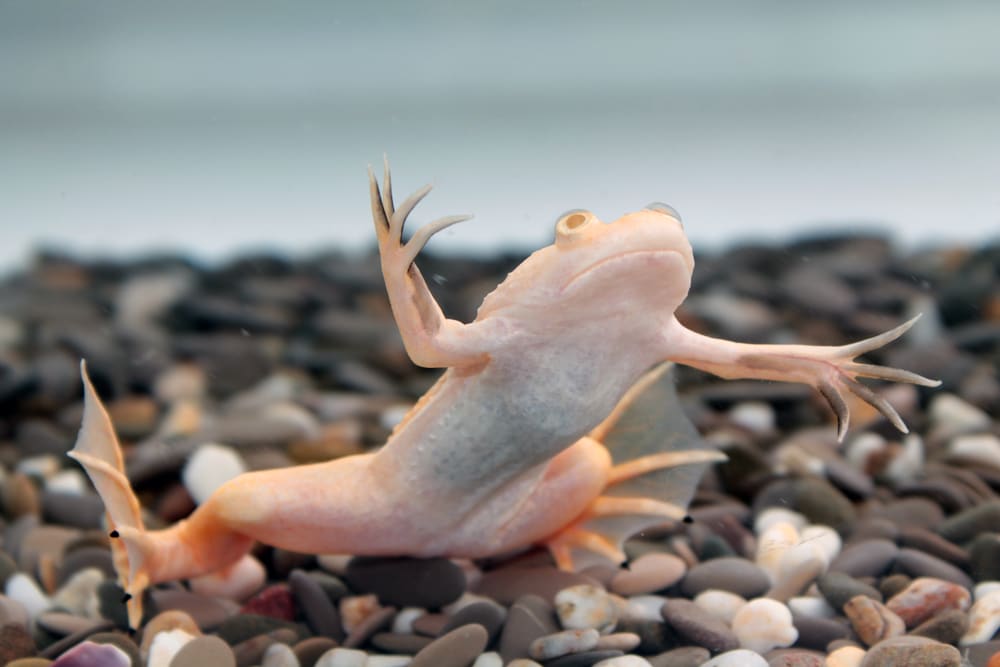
pixel 508 448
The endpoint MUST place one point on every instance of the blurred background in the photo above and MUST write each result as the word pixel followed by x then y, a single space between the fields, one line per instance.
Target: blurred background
pixel 215 128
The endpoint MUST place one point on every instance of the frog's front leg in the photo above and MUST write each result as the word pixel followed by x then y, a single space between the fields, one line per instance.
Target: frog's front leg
pixel 431 339
pixel 831 370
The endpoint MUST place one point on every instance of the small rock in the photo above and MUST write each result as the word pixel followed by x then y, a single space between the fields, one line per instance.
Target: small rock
pixel 869 558
pixel 838 588
pixel 686 656
pixel 919 564
pixel 912 652
pixel 872 620
pixel 529 618
pixel 738 658
pixel 946 627
pixel 506 585
pixel 984 619
pixel 846 656
pixel 90 654
pixel 735 575
pixel 165 645
pixel 458 648
pixel 966 525
pixel 585 606
pixel 238 583
pixel 278 655
pixel 926 597
pixel 698 626
pixel 721 604
pixel 649 573
pixel 206 650
pixel 408 582
pixel 563 643
pixel 15 642
pixel 764 624
pixel 211 466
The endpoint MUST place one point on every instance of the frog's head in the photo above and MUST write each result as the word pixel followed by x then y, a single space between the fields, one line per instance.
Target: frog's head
pixel 639 262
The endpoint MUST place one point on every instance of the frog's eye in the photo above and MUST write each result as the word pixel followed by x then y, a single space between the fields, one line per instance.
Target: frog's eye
pixel 665 208
pixel 572 222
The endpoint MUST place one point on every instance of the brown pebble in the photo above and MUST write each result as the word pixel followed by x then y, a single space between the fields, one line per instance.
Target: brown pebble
pixel 173 619
pixel 686 656
pixel 649 573
pixel 319 611
pixel 308 651
pixel 429 583
pixel 926 597
pixel 399 642
pixel 529 618
pixel 205 650
pixel 378 620
pixel 432 625
pixel 795 657
pixel 946 627
pixel 486 613
pixel 912 652
pixel 458 648
pixel 20 497
pixel 872 620
pixel 250 651
pixel 15 642
pixel 29 662
pixel 506 585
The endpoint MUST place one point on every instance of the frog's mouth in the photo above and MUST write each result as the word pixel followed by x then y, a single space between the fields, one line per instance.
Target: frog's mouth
pixel 609 265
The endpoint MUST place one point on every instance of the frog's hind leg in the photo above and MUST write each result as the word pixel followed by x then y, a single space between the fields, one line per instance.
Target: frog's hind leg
pixel 657 460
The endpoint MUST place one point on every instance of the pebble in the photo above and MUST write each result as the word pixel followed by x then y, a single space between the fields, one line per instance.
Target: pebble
pixel 984 557
pixel 819 501
pixel 506 585
pixel 919 564
pixel 966 525
pixel 732 574
pixel 912 652
pixel 845 656
pixel 869 558
pixel 529 618
pixel 925 597
pixel 686 656
pixel 947 627
pixel 649 573
pixel 458 648
pixel 486 613
pixel 764 624
pixel 871 620
pixel 208 468
pixel 563 643
pixel 25 590
pixel 15 642
pixel 738 658
pixel 984 619
pixel 585 606
pixel 697 626
pixel 278 655
pixel 407 582
pixel 89 654
pixel 723 605
pixel 838 588
pixel 207 650
pixel 166 621
pixel 624 661
pixel 317 607
pixel 246 577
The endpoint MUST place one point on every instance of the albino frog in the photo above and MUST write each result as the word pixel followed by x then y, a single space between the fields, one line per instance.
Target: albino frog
pixel 546 427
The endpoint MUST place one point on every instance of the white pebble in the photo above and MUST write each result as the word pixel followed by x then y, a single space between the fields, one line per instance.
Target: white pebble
pixel 165 646
pixel 392 415
pixel 982 448
pixel 237 583
pixel 279 655
pixel 342 657
pixel 40 467
pixel 644 608
pixel 763 624
pixel 79 594
pixel 563 643
pixel 738 658
pixel 69 481
pixel 389 660
pixel 984 620
pixel 814 607
pixel 773 515
pixel 824 537
pixel 488 659
pixel 846 656
pixel 403 622
pixel 585 606
pixel 624 661
pixel 26 590
pixel 723 605
pixel 755 416
pixel 985 588
pixel 863 448
pixel 956 415
pixel 334 563
pixel 211 466
pixel 772 545
pixel 908 462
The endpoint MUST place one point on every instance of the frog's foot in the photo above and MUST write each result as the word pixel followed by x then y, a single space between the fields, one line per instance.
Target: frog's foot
pixel 98 451
pixel 834 371
pixel 657 460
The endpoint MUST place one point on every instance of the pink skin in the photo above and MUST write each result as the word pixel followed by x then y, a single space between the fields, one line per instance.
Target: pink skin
pixel 496 456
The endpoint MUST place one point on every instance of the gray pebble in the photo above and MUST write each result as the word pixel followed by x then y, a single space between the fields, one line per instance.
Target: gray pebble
pixel 458 648
pixel 966 525
pixel 735 575
pixel 912 652
pixel 918 564
pixel 699 627
pixel 407 582
pixel 686 656
pixel 838 588
pixel 319 611
pixel 869 558
pixel 486 613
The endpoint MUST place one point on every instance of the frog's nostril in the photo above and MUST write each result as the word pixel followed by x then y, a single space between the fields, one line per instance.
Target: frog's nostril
pixel 575 220
pixel 664 208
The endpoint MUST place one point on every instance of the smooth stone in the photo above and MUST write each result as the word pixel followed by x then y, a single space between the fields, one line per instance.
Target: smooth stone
pixel 563 643
pixel 738 658
pixel 846 656
pixel 837 588
pixel 506 585
pixel 165 645
pixel 984 619
pixel 966 525
pixel 245 626
pixel 70 509
pixel 458 648
pixel 399 643
pixel 342 657
pixel 528 619
pixel 25 589
pixel 165 621
pixel 79 594
pixel 378 620
pixel 816 632
pixel 912 652
pixel 946 627
pixel 278 655
pixel 209 613
pixel 869 558
pixel 208 468
pixel 206 650
pixel 918 564
pixel 654 636
pixel 984 557
pixel 30 662
pixel 486 613
pixel 819 501
pixel 89 654
pixel 431 625
pixel 320 613
pixel 873 528
pixel 585 606
pixel 649 573
pixel 407 582
pixel 915 511
pixel 63 623
pixel 764 624
pixel 721 604
pixel 928 542
pixel 240 581
pixel 15 642
pixel 872 620
pixel 619 641
pixel 121 641
pixel 686 656
pixel 795 657
pixel 698 626
pixel 488 659
pixel 309 651
pixel 85 557
pixel 583 659
pixel 735 575
pixel 926 597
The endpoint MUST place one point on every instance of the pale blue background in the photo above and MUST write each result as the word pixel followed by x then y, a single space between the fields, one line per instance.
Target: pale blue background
pixel 217 126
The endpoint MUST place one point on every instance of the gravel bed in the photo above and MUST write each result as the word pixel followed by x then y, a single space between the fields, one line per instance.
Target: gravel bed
pixel 799 551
